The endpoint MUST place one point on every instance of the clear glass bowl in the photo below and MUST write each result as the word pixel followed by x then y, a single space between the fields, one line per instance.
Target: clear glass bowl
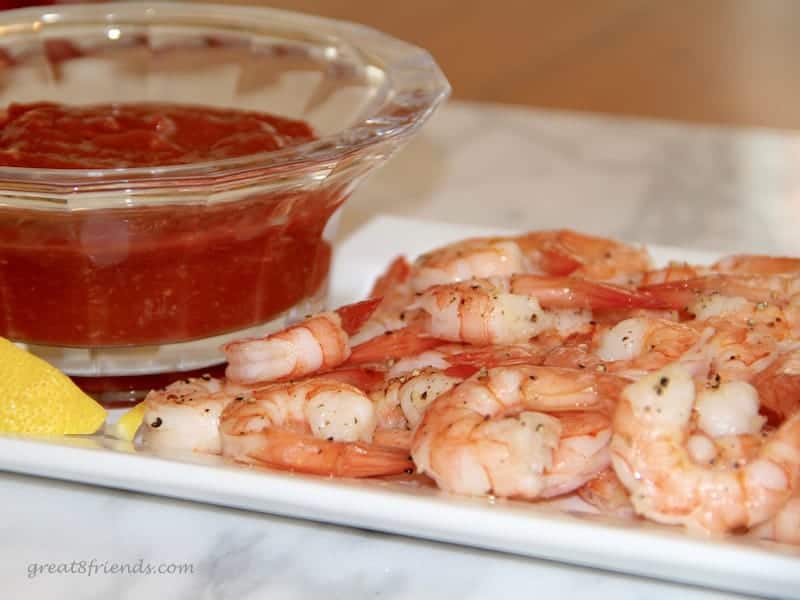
pixel 131 272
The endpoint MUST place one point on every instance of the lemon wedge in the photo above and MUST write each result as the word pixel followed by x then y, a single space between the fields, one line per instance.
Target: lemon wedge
pixel 37 398
pixel 128 424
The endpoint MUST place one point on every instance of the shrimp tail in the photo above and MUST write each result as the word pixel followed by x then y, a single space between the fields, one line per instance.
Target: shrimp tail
pixel 398 273
pixel 779 389
pixel 353 316
pixel 676 295
pixel 568 292
pixel 408 341
pixel 754 288
pixel 757 264
pixel 462 371
pixel 557 263
pixel 364 378
pixel 497 356
pixel 307 454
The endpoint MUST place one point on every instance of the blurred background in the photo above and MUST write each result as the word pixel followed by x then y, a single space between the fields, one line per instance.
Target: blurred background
pixel 714 61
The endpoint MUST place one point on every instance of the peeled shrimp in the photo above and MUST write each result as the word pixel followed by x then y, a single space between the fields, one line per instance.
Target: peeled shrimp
pixel 566 252
pixel 637 345
pixel 498 433
pixel 757 264
pixel 314 426
pixel 476 258
pixel 784 527
pixel 559 252
pixel 507 311
pixel 671 473
pixel 606 493
pixel 674 271
pixel 402 402
pixel 185 415
pixel 481 312
pixel 779 386
pixel 683 294
pixel 739 351
pixel 737 264
pixel 320 342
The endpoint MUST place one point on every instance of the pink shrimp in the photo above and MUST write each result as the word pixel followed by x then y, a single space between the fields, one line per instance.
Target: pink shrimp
pixel 393 288
pixel 392 280
pixel 475 258
pixel 555 253
pixel 682 294
pixel 784 527
pixel 500 433
pixel 508 311
pixel 315 426
pixel 674 271
pixel 573 292
pixel 779 387
pixel 738 264
pixel 739 351
pixel 641 344
pixel 671 472
pixel 402 401
pixel 394 345
pixel 565 252
pixel 606 493
pixel 757 264
pixel 185 415
pixel 320 342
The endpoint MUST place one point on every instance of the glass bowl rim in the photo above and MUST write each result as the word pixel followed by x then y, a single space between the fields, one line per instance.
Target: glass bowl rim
pixel 330 148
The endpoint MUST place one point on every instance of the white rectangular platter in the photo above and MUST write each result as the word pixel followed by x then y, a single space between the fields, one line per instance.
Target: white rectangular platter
pixel 522 528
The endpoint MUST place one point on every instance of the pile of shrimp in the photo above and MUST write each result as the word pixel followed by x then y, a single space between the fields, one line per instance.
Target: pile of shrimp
pixel 532 367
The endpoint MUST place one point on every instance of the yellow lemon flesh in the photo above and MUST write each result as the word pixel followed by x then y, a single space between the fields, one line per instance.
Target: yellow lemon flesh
pixel 37 398
pixel 128 424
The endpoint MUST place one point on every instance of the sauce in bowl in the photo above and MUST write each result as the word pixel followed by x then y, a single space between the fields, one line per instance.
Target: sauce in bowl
pixel 154 274
pixel 46 135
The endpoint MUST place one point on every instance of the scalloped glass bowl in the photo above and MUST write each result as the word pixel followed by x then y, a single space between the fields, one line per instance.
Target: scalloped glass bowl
pixel 134 272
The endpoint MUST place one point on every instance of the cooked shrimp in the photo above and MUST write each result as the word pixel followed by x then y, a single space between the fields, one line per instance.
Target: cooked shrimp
pixel 393 289
pixel 738 351
pixel 684 294
pixel 508 311
pixel 674 271
pixel 320 342
pixel 392 286
pixel 757 264
pixel 573 292
pixel 394 345
pixel 606 493
pixel 185 415
pixel 440 358
pixel 401 403
pixel 716 349
pixel 738 264
pixel 779 386
pixel 476 258
pixel 667 470
pixel 784 527
pixel 529 353
pixel 491 434
pixel 566 252
pixel 481 312
pixel 315 426
pixel 559 252
pixel 639 345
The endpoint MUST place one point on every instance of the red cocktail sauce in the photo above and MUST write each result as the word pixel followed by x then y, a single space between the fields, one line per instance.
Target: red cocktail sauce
pixel 153 274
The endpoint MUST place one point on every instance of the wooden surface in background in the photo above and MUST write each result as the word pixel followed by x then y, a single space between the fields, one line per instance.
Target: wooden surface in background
pixel 719 61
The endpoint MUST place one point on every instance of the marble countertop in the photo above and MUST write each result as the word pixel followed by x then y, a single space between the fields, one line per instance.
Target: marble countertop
pixel 669 183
